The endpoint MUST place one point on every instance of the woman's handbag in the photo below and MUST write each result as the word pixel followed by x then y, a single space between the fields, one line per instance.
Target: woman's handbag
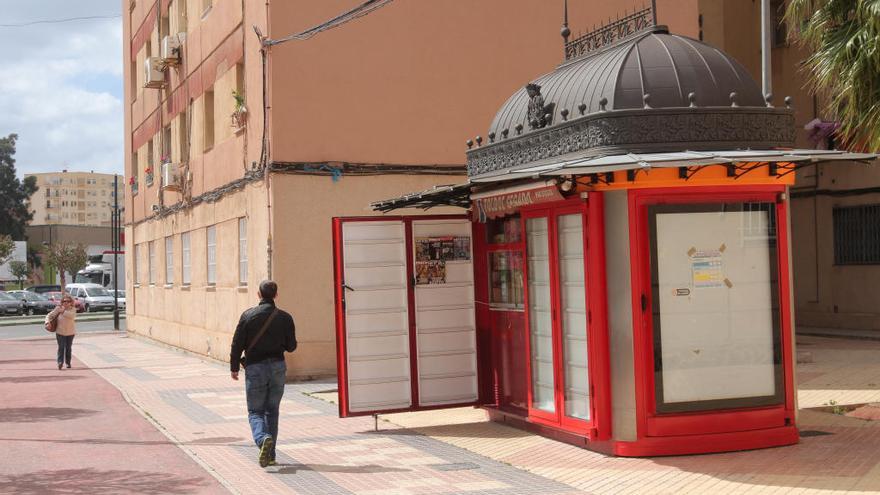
pixel 51 322
pixel 243 359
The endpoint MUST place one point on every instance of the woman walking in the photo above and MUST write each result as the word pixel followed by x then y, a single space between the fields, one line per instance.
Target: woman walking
pixel 65 329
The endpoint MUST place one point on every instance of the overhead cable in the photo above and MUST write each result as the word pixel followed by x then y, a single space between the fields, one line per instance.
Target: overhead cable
pixel 355 13
pixel 59 21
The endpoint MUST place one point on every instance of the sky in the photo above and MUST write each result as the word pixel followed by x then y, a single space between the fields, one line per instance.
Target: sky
pixel 61 85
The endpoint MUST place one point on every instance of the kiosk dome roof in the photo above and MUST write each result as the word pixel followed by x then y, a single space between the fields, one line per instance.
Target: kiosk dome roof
pixel 665 66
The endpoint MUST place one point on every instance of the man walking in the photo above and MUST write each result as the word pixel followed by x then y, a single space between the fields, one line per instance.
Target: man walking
pixel 264 333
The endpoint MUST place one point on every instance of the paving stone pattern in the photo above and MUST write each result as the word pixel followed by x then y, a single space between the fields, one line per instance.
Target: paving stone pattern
pixel 457 451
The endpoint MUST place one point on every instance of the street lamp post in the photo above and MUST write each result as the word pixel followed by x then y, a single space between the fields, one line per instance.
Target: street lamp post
pixel 114 243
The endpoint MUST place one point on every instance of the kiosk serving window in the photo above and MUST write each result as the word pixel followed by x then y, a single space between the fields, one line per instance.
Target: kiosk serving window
pixel 716 313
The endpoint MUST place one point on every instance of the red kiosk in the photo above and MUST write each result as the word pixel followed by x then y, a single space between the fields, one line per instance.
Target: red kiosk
pixel 622 278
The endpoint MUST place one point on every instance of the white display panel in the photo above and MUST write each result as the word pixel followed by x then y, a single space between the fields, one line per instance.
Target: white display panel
pixel 376 315
pixel 540 317
pixel 573 301
pixel 445 324
pixel 714 286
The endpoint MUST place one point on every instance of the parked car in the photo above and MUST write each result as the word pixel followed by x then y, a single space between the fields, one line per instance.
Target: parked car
pixel 33 303
pixel 120 297
pixel 93 296
pixel 10 305
pixel 42 289
pixel 55 299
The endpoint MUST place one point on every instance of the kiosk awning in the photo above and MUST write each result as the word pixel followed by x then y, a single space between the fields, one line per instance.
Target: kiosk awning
pixel 579 163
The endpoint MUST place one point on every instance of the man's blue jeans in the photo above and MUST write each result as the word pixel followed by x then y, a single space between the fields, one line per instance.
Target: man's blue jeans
pixel 65 348
pixel 264 385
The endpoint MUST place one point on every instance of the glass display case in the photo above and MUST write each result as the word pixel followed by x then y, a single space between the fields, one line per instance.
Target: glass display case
pixel 505 263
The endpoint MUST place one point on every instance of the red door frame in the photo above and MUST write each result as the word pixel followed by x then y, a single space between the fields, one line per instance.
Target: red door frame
pixel 339 302
pixel 650 424
pixel 592 211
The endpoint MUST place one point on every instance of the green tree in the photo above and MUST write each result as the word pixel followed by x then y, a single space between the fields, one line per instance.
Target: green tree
pixel 14 194
pixel 66 257
pixel 7 247
pixel 843 37
pixel 20 270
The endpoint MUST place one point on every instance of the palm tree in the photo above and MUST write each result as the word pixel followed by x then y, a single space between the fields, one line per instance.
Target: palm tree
pixel 844 39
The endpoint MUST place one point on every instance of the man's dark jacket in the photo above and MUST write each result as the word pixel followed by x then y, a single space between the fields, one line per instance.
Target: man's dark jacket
pixel 279 337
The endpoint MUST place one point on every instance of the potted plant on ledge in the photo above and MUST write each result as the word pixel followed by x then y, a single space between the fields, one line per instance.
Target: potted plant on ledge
pixel 132 181
pixel 148 175
pixel 239 113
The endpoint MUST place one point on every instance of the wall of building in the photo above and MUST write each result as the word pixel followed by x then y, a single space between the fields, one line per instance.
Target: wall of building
pixel 302 246
pixel 198 316
pixel 413 81
pixel 828 294
pixel 188 123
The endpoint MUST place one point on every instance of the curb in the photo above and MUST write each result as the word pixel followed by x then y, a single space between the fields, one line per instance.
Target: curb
pixel 38 320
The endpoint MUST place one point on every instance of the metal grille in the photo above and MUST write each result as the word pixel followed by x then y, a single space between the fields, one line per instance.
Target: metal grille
pixel 857 235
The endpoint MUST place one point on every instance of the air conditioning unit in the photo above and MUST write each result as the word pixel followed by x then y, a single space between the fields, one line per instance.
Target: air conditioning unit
pixel 170 177
pixel 154 73
pixel 171 48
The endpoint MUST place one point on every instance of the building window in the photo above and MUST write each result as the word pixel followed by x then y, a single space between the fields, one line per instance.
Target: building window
pixel 152 262
pixel 780 29
pixel 209 119
pixel 166 144
pixel 185 259
pixel 134 264
pixel 169 260
pixel 242 252
pixel 148 169
pixel 211 242
pixel 183 135
pixel 857 235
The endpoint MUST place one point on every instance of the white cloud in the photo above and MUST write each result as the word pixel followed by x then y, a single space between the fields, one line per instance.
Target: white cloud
pixel 61 86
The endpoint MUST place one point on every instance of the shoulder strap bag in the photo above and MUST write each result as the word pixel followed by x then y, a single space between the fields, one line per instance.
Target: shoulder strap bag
pixel 51 323
pixel 243 359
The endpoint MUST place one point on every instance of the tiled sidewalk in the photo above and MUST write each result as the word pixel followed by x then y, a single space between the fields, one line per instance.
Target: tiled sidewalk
pixel 458 451
pixel 197 405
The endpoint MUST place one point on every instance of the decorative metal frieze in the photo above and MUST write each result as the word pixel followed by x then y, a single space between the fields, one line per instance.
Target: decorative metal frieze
pixel 609 34
pixel 699 129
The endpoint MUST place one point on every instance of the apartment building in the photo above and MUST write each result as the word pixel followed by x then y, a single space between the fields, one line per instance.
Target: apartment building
pixel 75 198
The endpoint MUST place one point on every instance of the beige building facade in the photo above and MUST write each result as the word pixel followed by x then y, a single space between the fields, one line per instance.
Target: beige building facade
pixel 242 150
pixel 75 198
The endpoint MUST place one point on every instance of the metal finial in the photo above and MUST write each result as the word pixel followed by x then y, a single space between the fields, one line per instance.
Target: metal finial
pixel 564 114
pixel 692 99
pixel 469 143
pixel 548 118
pixel 479 140
pixel 518 128
pixel 491 137
pixel 603 102
pixel 646 99
pixel 582 108
pixel 788 101
pixel 768 98
pixel 504 133
pixel 733 96
pixel 565 32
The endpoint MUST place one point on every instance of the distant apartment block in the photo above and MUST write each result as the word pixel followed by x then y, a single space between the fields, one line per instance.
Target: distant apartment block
pixel 75 198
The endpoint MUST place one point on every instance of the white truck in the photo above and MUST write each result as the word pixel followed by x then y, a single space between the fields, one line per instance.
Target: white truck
pixel 100 270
